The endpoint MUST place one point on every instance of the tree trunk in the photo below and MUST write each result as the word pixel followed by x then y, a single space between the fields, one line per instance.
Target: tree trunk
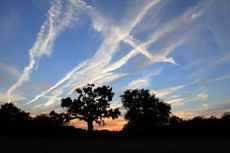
pixel 90 126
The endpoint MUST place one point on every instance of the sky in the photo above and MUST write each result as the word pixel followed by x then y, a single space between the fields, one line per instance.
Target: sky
pixel 179 50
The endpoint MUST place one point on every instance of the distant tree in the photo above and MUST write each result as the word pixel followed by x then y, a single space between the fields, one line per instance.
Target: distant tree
pixel 42 120
pixel 198 118
pixel 212 118
pixel 52 119
pixel 175 121
pixel 57 119
pixel 225 119
pixel 226 116
pixel 12 115
pixel 92 105
pixel 144 110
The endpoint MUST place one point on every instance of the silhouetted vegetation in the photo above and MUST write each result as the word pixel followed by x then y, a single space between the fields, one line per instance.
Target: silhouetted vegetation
pixel 146 114
pixel 12 117
pixel 144 111
pixel 92 105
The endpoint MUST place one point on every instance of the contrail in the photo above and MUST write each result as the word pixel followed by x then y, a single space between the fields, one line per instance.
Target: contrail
pixel 66 77
pixel 112 38
pixel 99 65
pixel 55 23
pixel 160 56
pixel 105 51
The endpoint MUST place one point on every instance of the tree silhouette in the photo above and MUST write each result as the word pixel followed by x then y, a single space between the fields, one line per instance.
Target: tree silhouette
pixel 10 115
pixel 42 121
pixel 57 119
pixel 91 105
pixel 226 116
pixel 50 120
pixel 175 121
pixel 144 110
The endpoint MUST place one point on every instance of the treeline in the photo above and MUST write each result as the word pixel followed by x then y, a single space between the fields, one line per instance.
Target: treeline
pixel 15 121
pixel 146 115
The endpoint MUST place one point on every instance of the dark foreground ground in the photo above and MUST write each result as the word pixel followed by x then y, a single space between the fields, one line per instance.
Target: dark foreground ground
pixel 114 145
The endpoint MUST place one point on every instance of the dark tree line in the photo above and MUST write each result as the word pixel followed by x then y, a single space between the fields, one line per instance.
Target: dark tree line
pixel 146 114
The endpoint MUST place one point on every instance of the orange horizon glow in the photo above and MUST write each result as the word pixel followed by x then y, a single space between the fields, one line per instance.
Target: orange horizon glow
pixel 110 124
pixel 117 124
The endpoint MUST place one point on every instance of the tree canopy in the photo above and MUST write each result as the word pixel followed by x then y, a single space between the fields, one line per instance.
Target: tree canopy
pixel 144 110
pixel 12 115
pixel 92 105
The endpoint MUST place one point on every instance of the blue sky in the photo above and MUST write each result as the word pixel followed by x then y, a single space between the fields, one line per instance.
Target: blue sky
pixel 178 49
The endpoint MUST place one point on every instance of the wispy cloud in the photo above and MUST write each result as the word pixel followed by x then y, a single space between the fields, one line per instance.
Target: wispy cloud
pixel 100 66
pixel 217 108
pixel 175 101
pixel 54 98
pixel 143 82
pixel 168 46
pixel 213 108
pixel 138 83
pixel 210 80
pixel 65 78
pixel 15 98
pixel 167 93
pixel 163 93
pixel 55 23
pixel 215 79
pixel 104 54
pixel 202 96
pixel 204 105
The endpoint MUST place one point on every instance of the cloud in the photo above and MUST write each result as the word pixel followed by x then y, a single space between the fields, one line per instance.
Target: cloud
pixel 210 80
pixel 178 22
pixel 100 79
pixel 141 48
pixel 104 54
pixel 216 21
pixel 60 82
pixel 109 77
pixel 202 96
pixel 205 105
pixel 55 23
pixel 216 79
pixel 214 108
pixel 15 98
pixel 209 65
pixel 175 101
pixel 100 65
pixel 138 83
pixel 163 93
pixel 217 108
pixel 196 15
pixel 168 46
pixel 54 98
pixel 144 82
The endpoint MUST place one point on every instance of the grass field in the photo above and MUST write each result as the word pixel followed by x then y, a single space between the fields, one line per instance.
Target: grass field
pixel 114 145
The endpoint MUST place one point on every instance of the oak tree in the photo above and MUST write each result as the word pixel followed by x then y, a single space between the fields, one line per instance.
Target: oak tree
pixel 92 105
